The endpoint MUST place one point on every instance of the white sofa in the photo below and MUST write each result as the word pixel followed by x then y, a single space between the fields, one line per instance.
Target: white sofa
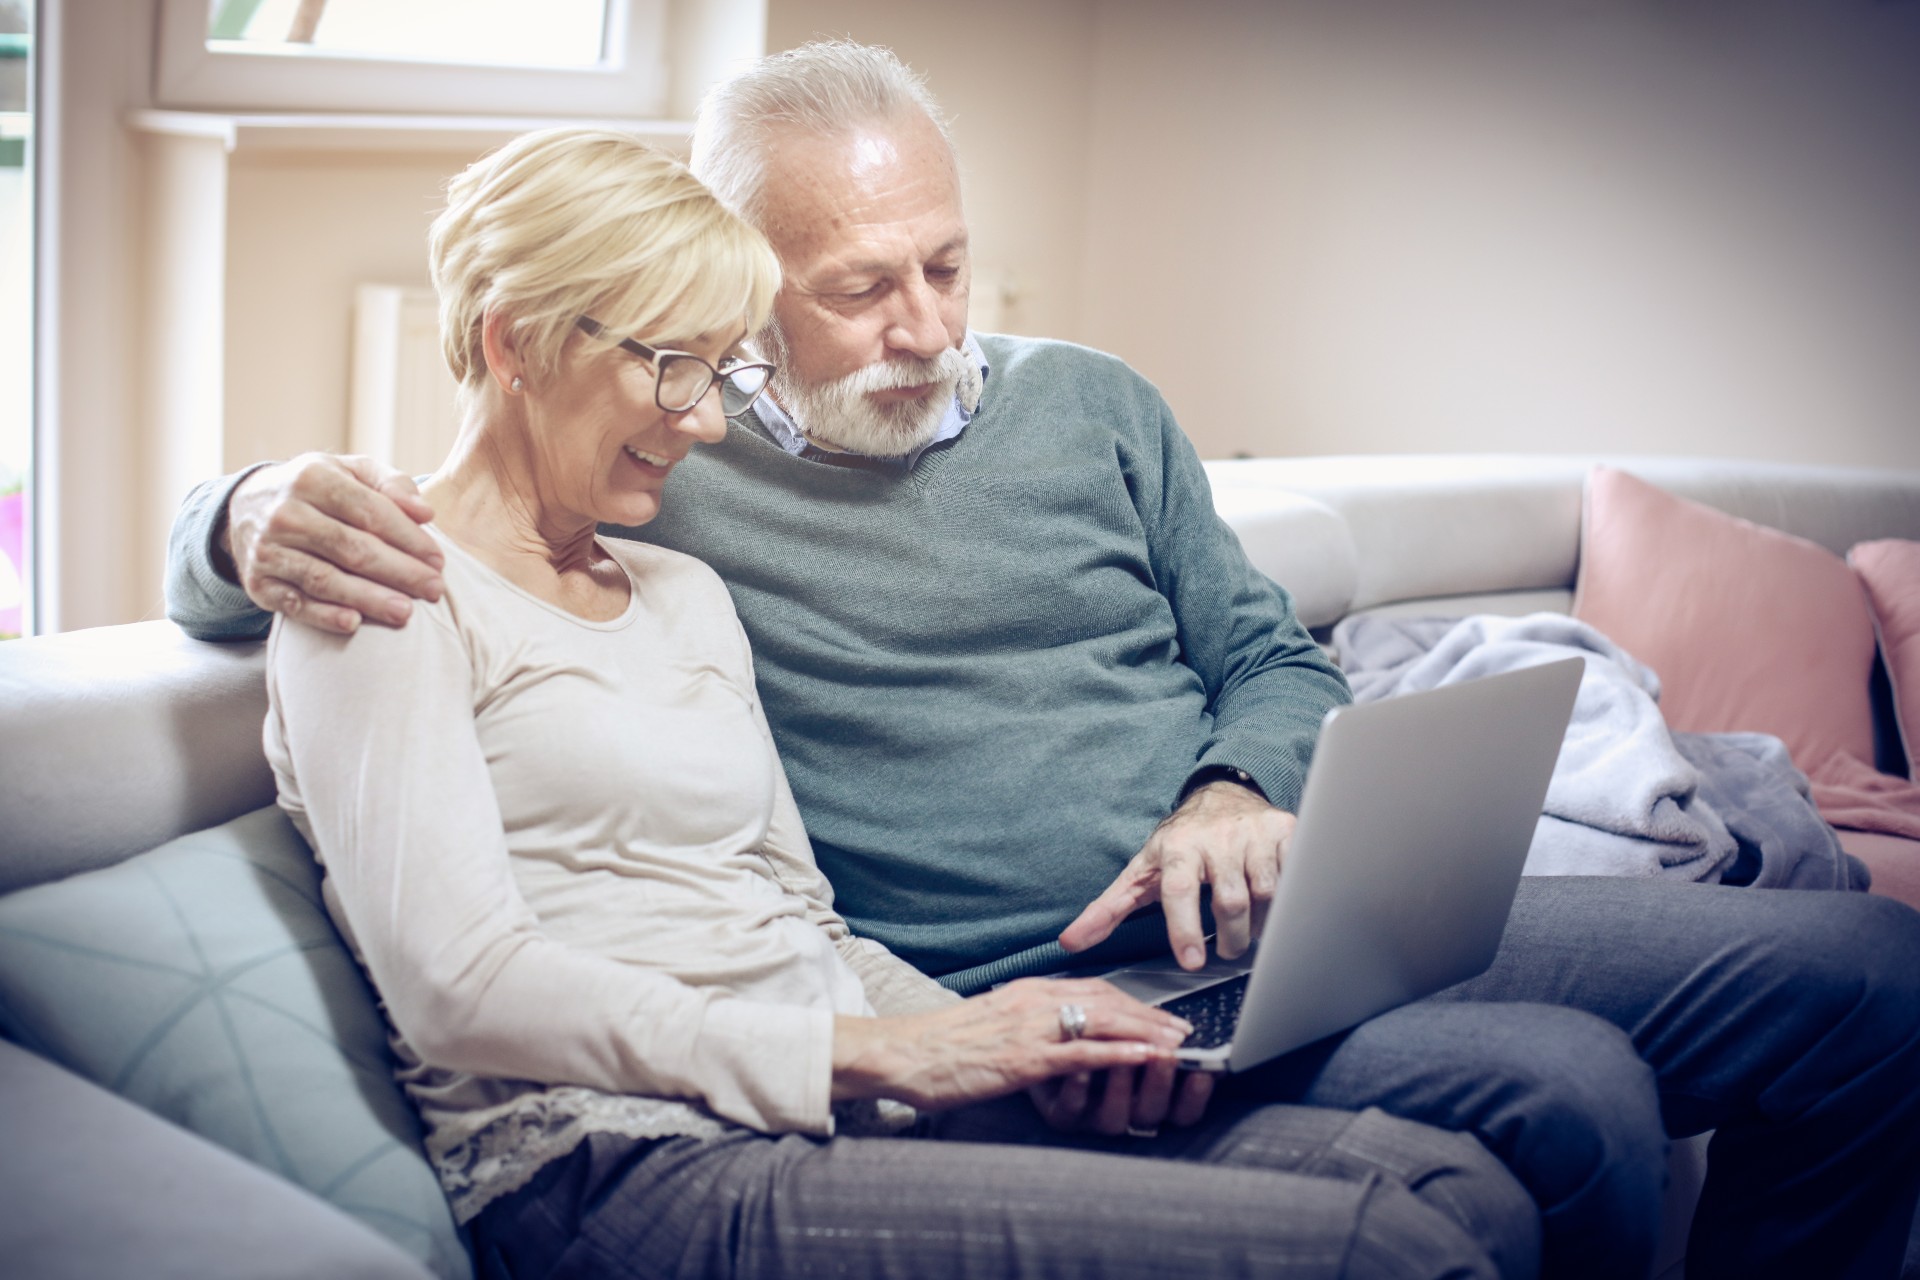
pixel 120 739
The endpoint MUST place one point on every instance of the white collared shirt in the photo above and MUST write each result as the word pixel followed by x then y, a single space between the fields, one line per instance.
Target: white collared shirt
pixel 787 434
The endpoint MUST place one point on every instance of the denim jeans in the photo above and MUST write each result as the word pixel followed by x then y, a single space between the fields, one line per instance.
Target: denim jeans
pixel 1619 1012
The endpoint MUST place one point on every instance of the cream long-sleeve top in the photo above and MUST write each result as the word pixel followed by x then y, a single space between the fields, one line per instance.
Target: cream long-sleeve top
pixel 566 854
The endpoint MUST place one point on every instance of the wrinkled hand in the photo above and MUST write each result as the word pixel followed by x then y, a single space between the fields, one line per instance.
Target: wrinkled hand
pixel 1130 1098
pixel 331 541
pixel 997 1043
pixel 1223 835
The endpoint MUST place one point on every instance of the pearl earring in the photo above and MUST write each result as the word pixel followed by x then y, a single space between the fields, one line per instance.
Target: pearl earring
pixel 517 384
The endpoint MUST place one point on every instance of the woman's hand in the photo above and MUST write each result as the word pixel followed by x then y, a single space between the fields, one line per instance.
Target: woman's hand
pixel 998 1043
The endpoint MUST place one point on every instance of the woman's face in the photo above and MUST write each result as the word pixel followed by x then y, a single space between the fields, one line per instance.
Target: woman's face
pixel 603 447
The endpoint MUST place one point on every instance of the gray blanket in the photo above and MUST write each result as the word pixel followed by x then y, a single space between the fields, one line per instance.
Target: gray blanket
pixel 1628 797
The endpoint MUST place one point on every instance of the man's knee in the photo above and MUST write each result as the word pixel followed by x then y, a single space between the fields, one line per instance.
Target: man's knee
pixel 1557 1094
pixel 1841 994
pixel 1845 939
pixel 1583 1116
pixel 1889 941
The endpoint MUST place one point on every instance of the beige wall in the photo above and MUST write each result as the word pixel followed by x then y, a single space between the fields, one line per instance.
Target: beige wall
pixel 1496 224
pixel 1477 224
pixel 1320 226
pixel 1015 76
pixel 1586 230
pixel 304 229
pixel 168 351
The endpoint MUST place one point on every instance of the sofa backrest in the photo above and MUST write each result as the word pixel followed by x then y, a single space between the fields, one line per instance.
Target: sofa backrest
pixel 115 740
pixel 1358 532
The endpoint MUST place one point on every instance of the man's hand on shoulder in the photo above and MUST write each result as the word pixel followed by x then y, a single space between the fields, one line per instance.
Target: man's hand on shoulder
pixel 1224 835
pixel 331 541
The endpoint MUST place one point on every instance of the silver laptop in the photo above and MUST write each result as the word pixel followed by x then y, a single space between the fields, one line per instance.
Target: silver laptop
pixel 1415 823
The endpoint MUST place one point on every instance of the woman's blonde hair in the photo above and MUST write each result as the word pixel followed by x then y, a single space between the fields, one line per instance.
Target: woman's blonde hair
pixel 564 223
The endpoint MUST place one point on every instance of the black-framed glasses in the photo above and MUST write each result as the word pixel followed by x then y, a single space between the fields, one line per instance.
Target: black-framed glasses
pixel 681 378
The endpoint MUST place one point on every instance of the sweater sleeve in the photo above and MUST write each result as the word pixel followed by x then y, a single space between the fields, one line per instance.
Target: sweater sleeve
pixel 205 605
pixel 401 808
pixel 1269 685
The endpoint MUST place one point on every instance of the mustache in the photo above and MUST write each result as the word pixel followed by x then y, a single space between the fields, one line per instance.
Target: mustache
pixel 905 371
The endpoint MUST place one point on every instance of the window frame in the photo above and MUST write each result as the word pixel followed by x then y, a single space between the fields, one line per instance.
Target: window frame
pixel 632 80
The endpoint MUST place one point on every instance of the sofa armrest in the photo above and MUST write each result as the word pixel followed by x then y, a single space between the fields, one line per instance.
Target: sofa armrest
pixel 121 738
pixel 1303 545
pixel 93 1186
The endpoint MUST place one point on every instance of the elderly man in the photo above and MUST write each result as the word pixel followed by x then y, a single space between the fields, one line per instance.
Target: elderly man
pixel 1025 684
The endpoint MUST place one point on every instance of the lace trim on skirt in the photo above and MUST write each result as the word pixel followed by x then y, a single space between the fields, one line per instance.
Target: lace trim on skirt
pixel 535 1129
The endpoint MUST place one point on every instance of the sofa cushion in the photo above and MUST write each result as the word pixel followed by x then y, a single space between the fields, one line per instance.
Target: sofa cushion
pixel 1890 571
pixel 204 981
pixel 1748 628
pixel 1894 862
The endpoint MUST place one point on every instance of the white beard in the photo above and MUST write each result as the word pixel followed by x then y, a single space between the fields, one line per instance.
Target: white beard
pixel 842 415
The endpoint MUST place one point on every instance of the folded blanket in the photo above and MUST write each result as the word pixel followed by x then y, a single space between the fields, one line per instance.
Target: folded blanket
pixel 1626 799
pixel 1750 780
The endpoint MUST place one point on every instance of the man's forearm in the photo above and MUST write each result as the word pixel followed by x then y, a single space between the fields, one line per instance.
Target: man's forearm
pixel 203 595
pixel 1267 718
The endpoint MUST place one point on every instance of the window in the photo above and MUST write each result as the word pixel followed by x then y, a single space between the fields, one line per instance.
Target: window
pixel 16 314
pixel 442 57
pixel 567 33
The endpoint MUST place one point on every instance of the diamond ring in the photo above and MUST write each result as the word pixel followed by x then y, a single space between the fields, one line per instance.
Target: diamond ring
pixel 1073 1021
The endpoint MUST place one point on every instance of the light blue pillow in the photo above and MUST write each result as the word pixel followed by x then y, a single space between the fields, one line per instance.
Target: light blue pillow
pixel 204 981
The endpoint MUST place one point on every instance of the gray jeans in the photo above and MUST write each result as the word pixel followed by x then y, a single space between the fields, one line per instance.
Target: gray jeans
pixel 990 1192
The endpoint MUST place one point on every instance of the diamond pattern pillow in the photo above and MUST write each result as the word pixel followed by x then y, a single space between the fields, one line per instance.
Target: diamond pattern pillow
pixel 204 981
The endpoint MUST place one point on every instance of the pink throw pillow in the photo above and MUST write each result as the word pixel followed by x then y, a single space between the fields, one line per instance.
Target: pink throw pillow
pixel 1890 571
pixel 1748 628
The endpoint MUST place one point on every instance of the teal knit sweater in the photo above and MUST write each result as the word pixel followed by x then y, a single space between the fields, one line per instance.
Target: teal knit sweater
pixel 990 675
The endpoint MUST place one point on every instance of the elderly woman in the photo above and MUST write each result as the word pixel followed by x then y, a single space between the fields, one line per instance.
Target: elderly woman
pixel 557 834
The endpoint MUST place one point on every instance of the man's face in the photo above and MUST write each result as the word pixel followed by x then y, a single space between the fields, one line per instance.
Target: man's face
pixel 873 245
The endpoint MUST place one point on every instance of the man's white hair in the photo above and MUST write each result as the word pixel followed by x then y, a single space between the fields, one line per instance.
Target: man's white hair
pixel 828 87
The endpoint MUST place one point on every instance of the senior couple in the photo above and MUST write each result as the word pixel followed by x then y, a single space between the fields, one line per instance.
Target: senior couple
pixel 1022 685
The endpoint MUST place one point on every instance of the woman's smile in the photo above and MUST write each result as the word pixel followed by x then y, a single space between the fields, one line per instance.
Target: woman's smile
pixel 653 463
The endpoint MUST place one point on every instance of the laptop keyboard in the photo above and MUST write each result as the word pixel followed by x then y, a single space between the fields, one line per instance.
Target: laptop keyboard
pixel 1214 1013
